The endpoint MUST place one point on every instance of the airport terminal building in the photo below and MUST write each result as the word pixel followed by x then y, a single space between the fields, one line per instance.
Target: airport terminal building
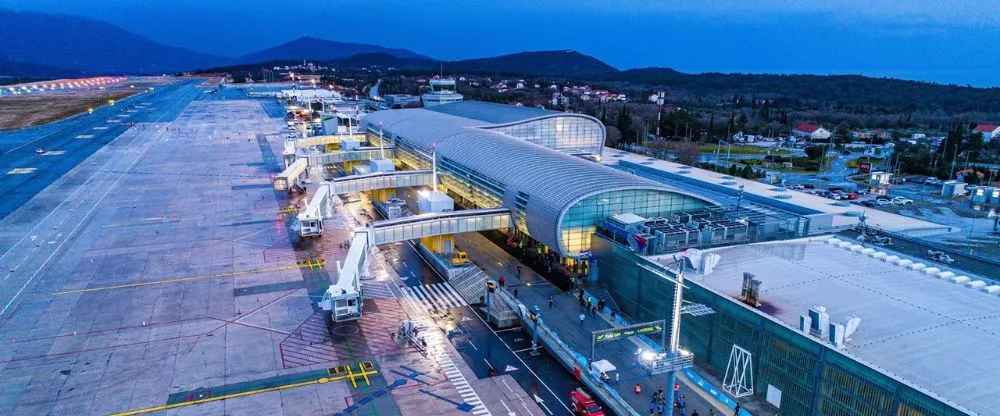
pixel 535 162
pixel 926 340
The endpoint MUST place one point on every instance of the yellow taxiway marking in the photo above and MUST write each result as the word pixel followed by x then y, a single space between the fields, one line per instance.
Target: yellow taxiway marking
pixel 223 397
pixel 175 280
pixel 323 380
pixel 312 264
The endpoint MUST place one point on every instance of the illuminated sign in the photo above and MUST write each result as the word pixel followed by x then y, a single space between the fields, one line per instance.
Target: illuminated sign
pixel 628 331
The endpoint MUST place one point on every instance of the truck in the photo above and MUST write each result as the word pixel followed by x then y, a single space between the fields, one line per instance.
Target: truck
pixel 583 404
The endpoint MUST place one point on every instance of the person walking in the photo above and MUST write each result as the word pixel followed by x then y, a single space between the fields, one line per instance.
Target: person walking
pixel 550 302
pixel 659 409
pixel 582 317
pixel 501 281
pixel 652 408
pixel 737 411
pixel 515 293
pixel 694 413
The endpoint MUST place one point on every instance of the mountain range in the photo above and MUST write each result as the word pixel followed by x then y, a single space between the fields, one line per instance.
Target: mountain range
pixel 45 45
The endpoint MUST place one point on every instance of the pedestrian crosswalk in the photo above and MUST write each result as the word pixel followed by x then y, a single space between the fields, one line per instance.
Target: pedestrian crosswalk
pixel 437 351
pixel 435 296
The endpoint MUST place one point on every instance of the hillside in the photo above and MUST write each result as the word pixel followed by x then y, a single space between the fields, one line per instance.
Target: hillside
pixel 570 64
pixel 313 49
pixel 89 46
pixel 845 90
pixel 562 64
pixel 15 69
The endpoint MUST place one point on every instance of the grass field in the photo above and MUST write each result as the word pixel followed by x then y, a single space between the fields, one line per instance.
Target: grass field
pixel 20 111
pixel 741 150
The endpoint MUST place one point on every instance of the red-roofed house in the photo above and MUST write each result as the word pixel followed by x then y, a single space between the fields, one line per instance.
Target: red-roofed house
pixel 811 132
pixel 989 131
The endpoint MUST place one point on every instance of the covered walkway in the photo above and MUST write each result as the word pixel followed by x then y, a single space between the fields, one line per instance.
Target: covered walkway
pixel 428 225
pixel 382 180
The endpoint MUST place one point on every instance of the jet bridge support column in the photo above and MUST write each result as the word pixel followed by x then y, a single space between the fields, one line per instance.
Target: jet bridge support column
pixel 378 166
pixel 433 202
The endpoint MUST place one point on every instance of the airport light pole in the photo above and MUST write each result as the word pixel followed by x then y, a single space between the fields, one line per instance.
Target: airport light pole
pixel 490 287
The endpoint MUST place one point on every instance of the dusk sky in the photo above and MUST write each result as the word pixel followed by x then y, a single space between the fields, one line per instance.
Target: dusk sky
pixel 954 41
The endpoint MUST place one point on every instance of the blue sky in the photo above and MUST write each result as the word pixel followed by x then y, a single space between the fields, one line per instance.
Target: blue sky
pixel 954 41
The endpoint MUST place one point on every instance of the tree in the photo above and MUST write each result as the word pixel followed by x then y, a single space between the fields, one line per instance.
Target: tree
pixel 613 138
pixel 624 124
pixel 814 152
pixel 688 153
pixel 733 170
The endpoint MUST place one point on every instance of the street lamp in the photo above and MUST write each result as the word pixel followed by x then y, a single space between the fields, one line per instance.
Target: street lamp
pixel 490 288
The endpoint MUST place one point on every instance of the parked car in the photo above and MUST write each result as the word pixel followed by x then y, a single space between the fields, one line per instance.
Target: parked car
pixel 901 201
pixel 882 202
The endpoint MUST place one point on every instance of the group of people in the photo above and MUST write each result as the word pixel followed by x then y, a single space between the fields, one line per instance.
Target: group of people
pixel 657 405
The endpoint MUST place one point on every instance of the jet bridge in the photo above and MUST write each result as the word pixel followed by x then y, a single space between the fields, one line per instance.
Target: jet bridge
pixel 438 223
pixel 356 155
pixel 382 180
pixel 332 139
pixel 318 208
pixel 290 176
pixel 344 298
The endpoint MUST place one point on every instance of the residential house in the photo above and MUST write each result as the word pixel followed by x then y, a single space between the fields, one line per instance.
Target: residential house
pixel 989 131
pixel 811 132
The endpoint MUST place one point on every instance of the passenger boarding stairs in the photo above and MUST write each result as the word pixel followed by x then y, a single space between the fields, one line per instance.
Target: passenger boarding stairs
pixel 471 284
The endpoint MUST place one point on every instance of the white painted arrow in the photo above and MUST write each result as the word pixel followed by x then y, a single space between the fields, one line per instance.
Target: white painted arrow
pixel 542 403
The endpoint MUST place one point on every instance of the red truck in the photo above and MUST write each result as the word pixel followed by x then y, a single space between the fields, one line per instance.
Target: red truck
pixel 582 404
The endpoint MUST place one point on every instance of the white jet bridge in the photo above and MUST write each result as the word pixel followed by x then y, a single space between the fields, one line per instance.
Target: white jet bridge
pixel 438 223
pixel 290 176
pixel 382 180
pixel 317 209
pixel 344 298
pixel 356 155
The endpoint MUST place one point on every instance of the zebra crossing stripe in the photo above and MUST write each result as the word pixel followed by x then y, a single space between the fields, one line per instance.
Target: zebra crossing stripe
pixel 431 297
pixel 449 293
pixel 454 293
pixel 415 302
pixel 439 297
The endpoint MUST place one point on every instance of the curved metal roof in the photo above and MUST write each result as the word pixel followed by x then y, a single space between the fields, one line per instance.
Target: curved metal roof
pixel 493 113
pixel 554 180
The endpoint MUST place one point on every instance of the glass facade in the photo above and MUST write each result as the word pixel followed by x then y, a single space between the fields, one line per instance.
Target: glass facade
pixel 573 135
pixel 580 221
pixel 813 379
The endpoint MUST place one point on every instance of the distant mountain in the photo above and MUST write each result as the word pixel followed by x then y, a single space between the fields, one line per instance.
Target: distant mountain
pixel 564 64
pixel 314 49
pixel 90 46
pixel 569 64
pixel 15 69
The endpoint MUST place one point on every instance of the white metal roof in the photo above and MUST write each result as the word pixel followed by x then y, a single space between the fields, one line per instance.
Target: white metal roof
pixel 938 334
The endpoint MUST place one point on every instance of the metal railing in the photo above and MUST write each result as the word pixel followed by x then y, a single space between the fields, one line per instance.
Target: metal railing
pixel 572 359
